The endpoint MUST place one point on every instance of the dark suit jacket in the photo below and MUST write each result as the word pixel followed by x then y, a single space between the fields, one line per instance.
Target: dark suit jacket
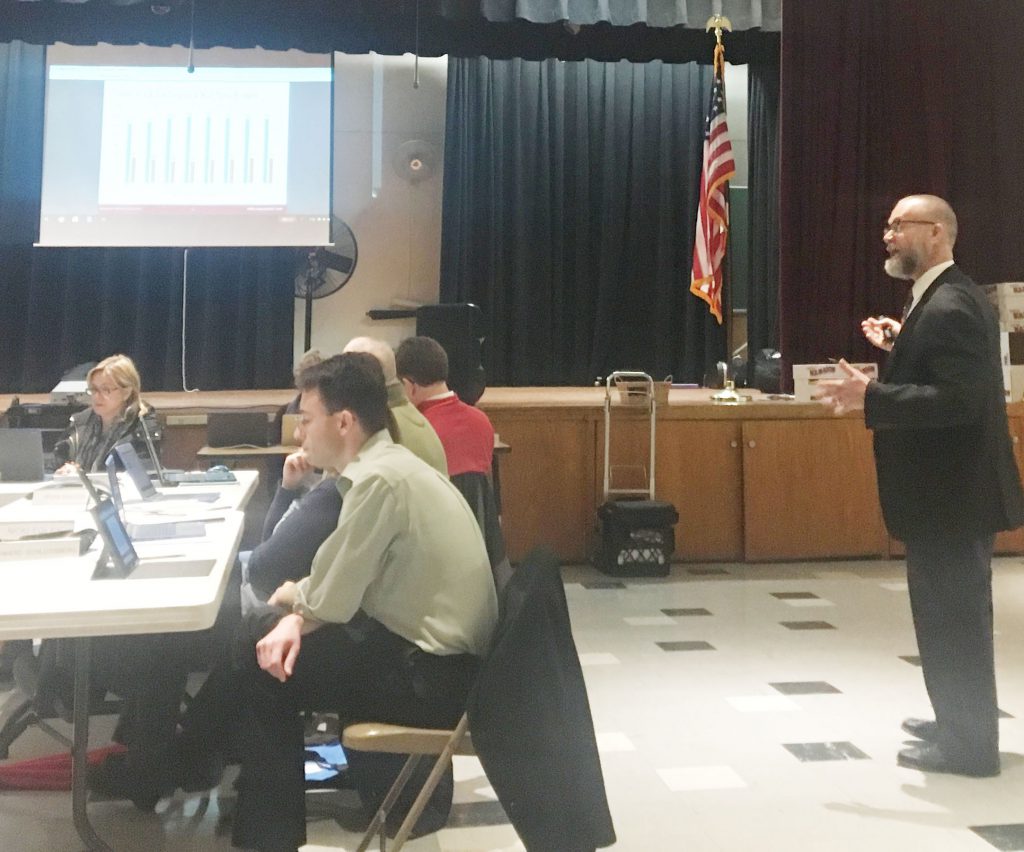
pixel 942 447
pixel 530 719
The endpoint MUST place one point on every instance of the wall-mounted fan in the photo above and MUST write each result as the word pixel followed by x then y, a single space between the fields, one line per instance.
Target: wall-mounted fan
pixel 324 270
pixel 415 160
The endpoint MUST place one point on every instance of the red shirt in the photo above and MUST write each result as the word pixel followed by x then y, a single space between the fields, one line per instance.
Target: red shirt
pixel 465 432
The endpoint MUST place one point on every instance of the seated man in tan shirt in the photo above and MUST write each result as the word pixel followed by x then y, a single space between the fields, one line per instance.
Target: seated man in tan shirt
pixel 397 610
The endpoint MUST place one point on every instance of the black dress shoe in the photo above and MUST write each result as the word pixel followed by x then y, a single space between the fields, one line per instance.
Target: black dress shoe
pixel 112 779
pixel 928 757
pixel 198 772
pixel 922 729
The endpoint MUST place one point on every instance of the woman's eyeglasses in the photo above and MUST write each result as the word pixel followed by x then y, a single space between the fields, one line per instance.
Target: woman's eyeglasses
pixel 103 391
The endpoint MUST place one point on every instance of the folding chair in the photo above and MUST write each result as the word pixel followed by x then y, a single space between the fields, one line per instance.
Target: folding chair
pixel 529 700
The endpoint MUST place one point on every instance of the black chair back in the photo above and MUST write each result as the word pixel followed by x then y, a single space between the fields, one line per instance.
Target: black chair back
pixel 530 719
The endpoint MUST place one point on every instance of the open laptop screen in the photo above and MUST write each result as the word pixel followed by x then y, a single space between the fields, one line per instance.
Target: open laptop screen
pixel 133 466
pixel 21 455
pixel 119 546
pixel 115 486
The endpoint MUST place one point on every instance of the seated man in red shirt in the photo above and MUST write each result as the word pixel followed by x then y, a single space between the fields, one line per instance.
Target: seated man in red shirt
pixel 465 432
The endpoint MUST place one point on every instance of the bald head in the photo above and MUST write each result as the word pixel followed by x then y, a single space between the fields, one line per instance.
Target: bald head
pixel 919 234
pixel 379 350
pixel 938 210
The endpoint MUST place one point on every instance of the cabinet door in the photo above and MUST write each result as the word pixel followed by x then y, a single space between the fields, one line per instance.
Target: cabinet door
pixel 547 483
pixel 810 490
pixel 697 468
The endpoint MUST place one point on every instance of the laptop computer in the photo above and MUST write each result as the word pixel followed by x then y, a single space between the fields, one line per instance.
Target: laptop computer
pixel 131 463
pixel 21 455
pixel 141 532
pixel 120 560
pixel 237 429
pixel 170 478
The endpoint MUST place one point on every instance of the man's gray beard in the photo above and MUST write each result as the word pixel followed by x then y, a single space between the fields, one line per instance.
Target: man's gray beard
pixel 900 266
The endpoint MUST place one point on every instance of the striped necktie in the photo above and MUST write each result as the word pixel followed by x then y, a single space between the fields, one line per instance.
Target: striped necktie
pixel 907 305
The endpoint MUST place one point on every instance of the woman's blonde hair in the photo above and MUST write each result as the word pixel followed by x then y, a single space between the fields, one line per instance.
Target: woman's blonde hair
pixel 121 369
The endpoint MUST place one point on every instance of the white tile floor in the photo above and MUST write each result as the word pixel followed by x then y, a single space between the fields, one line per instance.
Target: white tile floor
pixel 693 742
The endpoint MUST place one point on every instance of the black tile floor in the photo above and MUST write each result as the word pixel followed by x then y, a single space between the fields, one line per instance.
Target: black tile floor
pixel 779 740
pixel 813 687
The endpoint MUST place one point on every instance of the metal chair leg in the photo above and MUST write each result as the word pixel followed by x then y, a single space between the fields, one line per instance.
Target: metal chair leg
pixel 379 823
pixel 15 716
pixel 440 767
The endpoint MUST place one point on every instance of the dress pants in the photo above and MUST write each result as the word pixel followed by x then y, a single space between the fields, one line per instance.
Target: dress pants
pixel 151 671
pixel 362 671
pixel 950 583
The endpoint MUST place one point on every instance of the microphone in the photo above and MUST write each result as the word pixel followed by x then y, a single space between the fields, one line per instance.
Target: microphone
pixel 152 450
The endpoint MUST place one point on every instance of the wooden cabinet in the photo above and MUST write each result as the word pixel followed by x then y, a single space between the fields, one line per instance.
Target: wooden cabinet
pixel 758 490
pixel 745 489
pixel 809 490
pixel 698 469
pixel 547 483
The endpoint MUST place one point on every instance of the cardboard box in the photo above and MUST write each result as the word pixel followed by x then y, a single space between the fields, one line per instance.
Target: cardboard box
pixel 806 376
pixel 1013 383
pixel 1009 294
pixel 1008 300
pixel 1011 316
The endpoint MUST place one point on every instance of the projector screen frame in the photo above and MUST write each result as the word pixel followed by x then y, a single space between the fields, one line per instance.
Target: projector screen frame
pixel 155 209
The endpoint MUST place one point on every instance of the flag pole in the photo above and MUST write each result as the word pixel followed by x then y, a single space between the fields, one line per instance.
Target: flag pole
pixel 718 167
pixel 718 23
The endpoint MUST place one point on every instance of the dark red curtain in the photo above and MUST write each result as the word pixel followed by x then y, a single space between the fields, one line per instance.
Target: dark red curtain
pixel 880 100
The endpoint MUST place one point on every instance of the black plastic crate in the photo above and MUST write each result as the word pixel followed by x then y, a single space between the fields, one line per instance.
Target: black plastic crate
pixel 637 538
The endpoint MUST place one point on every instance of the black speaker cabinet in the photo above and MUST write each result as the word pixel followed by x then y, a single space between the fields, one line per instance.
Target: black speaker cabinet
pixel 459 328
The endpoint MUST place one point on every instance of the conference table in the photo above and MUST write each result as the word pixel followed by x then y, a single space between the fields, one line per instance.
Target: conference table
pixel 59 597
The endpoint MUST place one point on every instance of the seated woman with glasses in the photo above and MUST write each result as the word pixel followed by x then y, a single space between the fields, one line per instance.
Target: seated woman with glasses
pixel 113 417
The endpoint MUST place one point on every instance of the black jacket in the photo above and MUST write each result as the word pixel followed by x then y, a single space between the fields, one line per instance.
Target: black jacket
pixel 942 446
pixel 530 719
pixel 85 444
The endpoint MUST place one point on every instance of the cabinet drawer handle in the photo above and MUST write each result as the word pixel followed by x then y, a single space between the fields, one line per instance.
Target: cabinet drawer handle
pixel 1016 439
pixel 734 444
pixel 751 443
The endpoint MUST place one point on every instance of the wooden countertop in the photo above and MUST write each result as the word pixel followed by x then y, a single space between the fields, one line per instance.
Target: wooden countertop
pixel 683 403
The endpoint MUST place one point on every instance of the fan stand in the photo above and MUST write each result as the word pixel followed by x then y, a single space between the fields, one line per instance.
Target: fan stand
pixel 323 270
pixel 309 320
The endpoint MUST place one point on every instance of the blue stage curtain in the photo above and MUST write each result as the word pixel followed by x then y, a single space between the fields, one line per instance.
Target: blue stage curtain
pixel 570 196
pixel 65 306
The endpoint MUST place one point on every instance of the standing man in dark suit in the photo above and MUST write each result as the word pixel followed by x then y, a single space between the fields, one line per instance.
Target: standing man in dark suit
pixel 947 478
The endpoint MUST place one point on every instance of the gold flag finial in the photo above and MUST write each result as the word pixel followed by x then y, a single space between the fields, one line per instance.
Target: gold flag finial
pixel 718 23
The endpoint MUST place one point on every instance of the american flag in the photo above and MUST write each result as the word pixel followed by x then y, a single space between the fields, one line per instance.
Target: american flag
pixel 713 209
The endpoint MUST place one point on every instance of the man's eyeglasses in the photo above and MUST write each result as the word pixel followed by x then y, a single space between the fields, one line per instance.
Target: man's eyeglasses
pixel 105 391
pixel 896 225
